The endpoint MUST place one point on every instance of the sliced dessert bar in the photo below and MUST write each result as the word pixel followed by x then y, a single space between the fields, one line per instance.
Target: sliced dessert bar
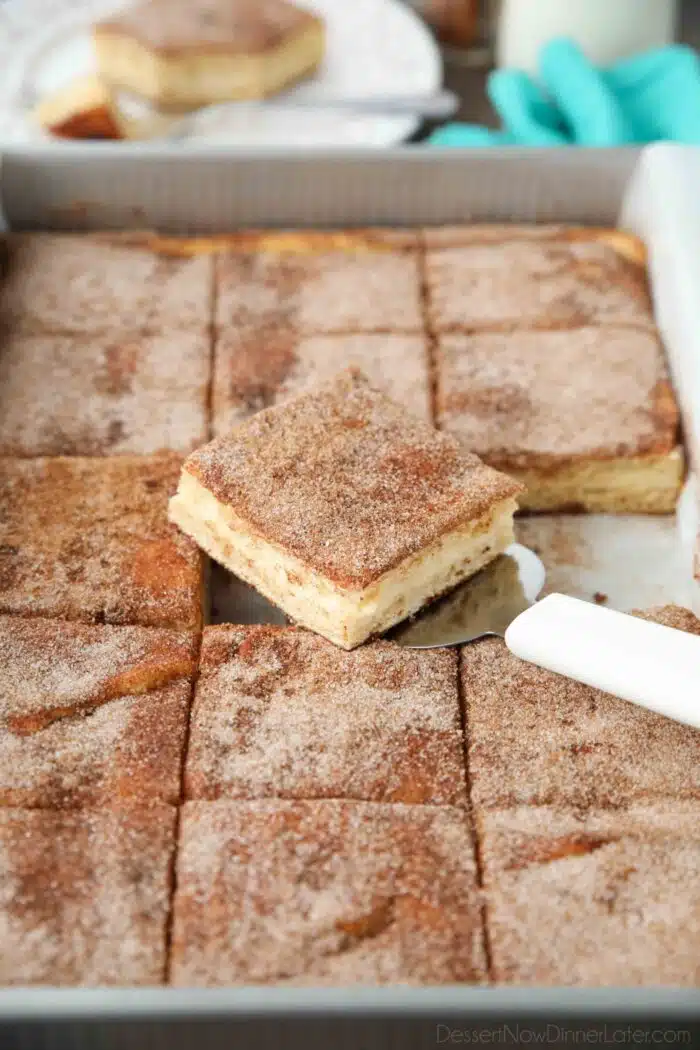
pixel 125 392
pixel 537 738
pixel 280 712
pixel 89 539
pixel 258 368
pixel 84 896
pixel 325 893
pixel 534 284
pixel 594 899
pixel 372 289
pixel 586 418
pixel 80 284
pixel 344 510
pixel 133 682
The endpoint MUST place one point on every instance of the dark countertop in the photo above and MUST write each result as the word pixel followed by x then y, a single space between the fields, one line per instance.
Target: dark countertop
pixel 469 84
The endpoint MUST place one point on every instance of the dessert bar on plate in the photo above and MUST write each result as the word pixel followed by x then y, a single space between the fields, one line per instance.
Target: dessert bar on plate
pixel 187 55
pixel 344 510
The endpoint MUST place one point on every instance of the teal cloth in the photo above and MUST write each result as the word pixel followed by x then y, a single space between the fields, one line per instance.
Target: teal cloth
pixel 652 96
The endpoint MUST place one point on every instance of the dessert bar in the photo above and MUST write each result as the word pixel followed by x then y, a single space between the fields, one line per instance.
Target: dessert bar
pixel 89 539
pixel 185 55
pixel 372 289
pixel 255 369
pixel 536 738
pixel 540 284
pixel 325 893
pixel 595 898
pixel 344 510
pixel 585 418
pixel 84 896
pixel 85 285
pixel 104 394
pixel 134 683
pixel 282 713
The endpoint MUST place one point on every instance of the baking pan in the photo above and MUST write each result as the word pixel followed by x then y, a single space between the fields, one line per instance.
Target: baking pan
pixel 635 561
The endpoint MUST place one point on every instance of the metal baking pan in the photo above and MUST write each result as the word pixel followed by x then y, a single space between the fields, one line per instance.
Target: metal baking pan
pixel 635 561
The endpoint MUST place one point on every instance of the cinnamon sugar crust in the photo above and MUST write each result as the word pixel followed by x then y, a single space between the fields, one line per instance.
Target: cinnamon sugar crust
pixel 237 26
pixel 89 539
pixel 119 393
pixel 84 896
pixel 325 893
pixel 536 284
pixel 282 713
pixel 85 285
pixel 255 369
pixel 625 244
pixel 596 899
pixel 134 683
pixel 542 400
pixel 293 241
pixel 345 461
pixel 536 738
pixel 319 292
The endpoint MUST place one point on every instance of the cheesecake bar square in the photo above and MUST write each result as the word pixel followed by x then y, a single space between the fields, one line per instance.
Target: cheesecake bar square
pixel 536 738
pixel 255 369
pixel 120 393
pixel 183 56
pixel 282 713
pixel 84 896
pixel 594 899
pixel 325 893
pixel 372 289
pixel 89 539
pixel 538 284
pixel 134 683
pixel 344 510
pixel 89 284
pixel 586 419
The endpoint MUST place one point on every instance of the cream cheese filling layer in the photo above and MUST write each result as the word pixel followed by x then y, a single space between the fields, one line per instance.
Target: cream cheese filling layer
pixel 345 616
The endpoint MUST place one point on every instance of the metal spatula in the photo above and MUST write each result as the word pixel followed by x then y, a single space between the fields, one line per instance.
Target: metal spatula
pixel 646 663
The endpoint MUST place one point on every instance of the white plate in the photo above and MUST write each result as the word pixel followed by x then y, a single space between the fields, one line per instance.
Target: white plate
pixel 375 47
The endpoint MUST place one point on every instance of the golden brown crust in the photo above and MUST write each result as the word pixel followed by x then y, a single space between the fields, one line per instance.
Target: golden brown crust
pixel 627 245
pixel 97 122
pixel 282 713
pixel 536 738
pixel 534 284
pixel 294 242
pixel 325 893
pixel 84 896
pixel 343 461
pixel 89 540
pixel 502 394
pixel 239 27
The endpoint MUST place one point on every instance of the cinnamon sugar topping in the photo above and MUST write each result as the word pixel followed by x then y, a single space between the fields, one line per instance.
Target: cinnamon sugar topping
pixel 84 896
pixel 89 539
pixel 325 893
pixel 596 899
pixel 537 738
pixel 540 398
pixel 534 284
pixel 320 292
pixel 345 480
pixel 283 713
pixel 256 369
pixel 108 394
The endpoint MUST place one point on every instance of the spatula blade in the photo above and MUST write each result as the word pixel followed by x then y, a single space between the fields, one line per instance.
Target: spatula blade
pixel 485 604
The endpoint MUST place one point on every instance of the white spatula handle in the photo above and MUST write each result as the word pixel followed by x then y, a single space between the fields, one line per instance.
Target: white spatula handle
pixel 650 665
